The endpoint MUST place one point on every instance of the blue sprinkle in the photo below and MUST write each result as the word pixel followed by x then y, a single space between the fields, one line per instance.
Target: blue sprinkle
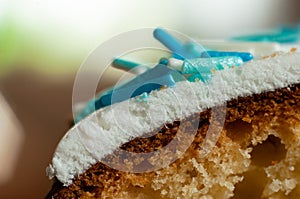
pixel 142 98
pixel 144 95
pixel 128 65
pixel 171 43
pixel 204 65
pixel 143 84
pixel 176 56
pixel 246 56
pixel 89 108
pixel 191 49
pixel 124 64
pixel 281 38
pixel 281 35
pixel 195 49
pixel 151 80
pixel 163 61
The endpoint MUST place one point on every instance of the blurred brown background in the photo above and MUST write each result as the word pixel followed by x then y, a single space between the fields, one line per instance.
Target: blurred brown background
pixel 43 108
pixel 42 99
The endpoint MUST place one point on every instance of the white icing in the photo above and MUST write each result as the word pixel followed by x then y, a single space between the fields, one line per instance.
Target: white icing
pixel 105 130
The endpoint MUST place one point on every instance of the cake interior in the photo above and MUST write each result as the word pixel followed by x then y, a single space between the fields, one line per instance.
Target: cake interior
pixel 257 156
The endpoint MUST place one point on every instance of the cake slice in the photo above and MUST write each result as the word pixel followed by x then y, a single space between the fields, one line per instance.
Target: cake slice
pixel 237 136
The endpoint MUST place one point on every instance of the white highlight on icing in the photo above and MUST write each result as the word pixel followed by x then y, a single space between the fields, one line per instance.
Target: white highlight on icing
pixel 105 130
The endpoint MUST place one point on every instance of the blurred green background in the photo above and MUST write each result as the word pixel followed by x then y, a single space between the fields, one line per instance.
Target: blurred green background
pixel 43 43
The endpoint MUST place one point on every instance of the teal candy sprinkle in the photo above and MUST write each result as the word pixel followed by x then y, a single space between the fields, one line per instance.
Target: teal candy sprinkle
pixel 131 66
pixel 163 61
pixel 206 65
pixel 285 34
pixel 142 98
pixel 171 42
pixel 124 64
pixel 280 38
pixel 196 67
pixel 194 49
pixel 88 109
pixel 90 106
pixel 148 81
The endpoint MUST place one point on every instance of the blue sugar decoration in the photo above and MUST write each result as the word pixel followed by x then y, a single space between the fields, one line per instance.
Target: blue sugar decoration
pixel 206 65
pixel 280 38
pixel 163 61
pixel 176 56
pixel 198 52
pixel 142 98
pixel 144 95
pixel 124 64
pixel 129 65
pixel 161 75
pixel 89 108
pixel 168 40
pixel 191 49
pixel 285 34
pixel 150 80
pixel 142 84
pixel 195 49
pixel 172 43
pixel 245 56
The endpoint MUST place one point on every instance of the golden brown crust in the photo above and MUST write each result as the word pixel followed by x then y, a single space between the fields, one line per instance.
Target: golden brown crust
pixel 100 180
